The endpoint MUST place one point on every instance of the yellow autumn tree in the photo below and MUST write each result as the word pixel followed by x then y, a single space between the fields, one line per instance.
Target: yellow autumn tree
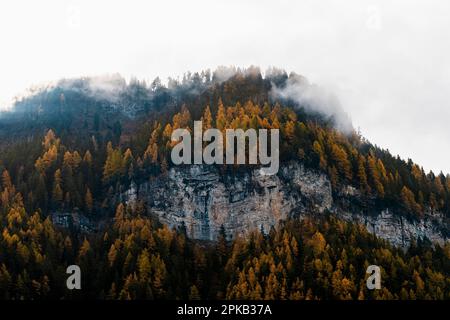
pixel 207 119
pixel 409 201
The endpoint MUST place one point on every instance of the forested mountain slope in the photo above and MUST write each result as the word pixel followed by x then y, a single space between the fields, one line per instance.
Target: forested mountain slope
pixel 87 179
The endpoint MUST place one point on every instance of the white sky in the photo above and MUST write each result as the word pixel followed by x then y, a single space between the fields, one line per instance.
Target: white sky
pixel 388 61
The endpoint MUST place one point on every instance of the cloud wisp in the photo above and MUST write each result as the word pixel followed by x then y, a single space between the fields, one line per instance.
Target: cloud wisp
pixel 314 99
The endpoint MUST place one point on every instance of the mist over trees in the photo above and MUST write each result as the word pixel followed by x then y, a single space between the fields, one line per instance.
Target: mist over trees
pixel 76 144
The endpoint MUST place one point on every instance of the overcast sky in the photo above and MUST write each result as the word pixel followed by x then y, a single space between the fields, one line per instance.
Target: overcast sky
pixel 387 61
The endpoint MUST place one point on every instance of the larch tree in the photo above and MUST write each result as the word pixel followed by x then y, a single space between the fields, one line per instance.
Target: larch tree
pixel 206 119
pixel 221 120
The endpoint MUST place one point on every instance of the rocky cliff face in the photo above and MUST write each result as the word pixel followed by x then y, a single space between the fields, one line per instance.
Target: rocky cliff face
pixel 204 200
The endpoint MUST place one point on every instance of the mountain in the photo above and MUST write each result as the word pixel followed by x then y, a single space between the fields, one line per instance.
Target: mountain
pixel 88 179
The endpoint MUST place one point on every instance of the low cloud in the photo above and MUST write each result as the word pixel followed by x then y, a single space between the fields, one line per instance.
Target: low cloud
pixel 223 73
pixel 105 87
pixel 314 99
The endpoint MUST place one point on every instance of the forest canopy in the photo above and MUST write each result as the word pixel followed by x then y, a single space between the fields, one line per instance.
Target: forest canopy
pixel 73 146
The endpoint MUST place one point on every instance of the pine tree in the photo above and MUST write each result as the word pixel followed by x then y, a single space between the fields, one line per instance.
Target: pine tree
pixel 320 154
pixel 375 176
pixel 362 177
pixel 89 201
pixel 193 293
pixel 57 193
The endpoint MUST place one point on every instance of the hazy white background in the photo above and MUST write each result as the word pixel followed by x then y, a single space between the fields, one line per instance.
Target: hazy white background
pixel 387 61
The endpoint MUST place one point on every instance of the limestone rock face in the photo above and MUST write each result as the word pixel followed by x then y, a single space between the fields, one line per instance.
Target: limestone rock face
pixel 202 200
pixel 400 231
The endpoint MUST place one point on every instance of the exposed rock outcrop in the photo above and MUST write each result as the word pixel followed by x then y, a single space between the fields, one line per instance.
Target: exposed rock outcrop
pixel 202 199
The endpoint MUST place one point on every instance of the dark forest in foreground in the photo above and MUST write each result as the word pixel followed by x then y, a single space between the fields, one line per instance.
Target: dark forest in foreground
pixel 137 258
